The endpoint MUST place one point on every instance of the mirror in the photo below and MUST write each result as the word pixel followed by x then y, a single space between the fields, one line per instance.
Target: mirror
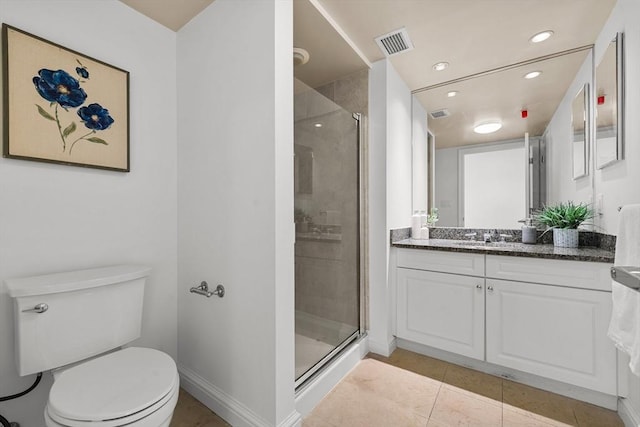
pixel 523 106
pixel 580 132
pixel 609 120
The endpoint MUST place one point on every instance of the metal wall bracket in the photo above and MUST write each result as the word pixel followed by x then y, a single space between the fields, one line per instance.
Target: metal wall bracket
pixel 203 289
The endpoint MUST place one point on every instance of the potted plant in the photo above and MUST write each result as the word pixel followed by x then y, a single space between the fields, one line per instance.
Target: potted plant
pixel 432 218
pixel 564 219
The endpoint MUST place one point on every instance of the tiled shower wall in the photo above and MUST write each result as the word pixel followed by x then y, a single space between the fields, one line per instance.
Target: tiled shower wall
pixel 326 270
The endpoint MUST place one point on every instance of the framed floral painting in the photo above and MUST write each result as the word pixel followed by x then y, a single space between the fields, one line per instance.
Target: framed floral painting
pixel 61 106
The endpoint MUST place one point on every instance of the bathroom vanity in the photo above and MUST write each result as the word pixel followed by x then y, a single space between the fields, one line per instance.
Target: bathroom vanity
pixel 513 308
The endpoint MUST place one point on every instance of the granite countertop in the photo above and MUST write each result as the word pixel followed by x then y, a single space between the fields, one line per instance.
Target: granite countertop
pixel 583 253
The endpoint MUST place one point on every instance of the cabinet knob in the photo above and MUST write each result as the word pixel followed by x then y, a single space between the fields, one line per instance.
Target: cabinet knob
pixel 490 288
pixel 478 286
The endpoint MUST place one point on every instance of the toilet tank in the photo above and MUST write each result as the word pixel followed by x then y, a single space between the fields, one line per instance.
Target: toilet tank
pixel 89 312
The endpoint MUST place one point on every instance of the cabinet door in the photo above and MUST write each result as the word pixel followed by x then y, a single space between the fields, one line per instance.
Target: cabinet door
pixel 551 331
pixel 441 310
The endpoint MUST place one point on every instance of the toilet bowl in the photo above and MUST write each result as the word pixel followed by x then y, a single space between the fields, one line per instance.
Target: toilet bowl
pixel 76 324
pixel 132 387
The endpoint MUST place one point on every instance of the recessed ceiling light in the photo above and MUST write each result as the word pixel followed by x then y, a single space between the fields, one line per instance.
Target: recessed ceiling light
pixel 452 93
pixel 487 127
pixel 532 75
pixel 440 66
pixel 318 125
pixel 542 36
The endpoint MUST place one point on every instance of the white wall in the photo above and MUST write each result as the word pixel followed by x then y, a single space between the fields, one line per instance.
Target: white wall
pixel 619 183
pixel 55 218
pixel 235 209
pixel 561 187
pixel 389 190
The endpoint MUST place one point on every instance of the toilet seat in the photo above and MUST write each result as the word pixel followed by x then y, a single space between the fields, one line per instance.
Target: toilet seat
pixel 118 389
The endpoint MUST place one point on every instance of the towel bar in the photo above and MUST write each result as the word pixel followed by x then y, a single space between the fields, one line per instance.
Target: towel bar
pixel 628 276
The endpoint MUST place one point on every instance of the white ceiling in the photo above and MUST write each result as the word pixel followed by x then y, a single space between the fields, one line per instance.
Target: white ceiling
pixel 173 14
pixel 472 35
pixel 475 36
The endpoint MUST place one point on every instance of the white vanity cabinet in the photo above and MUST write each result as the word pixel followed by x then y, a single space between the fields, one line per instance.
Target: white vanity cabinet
pixel 441 309
pixel 545 317
pixel 551 320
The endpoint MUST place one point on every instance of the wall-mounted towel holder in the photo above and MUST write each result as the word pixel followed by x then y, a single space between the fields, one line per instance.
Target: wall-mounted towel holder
pixel 203 289
pixel 628 276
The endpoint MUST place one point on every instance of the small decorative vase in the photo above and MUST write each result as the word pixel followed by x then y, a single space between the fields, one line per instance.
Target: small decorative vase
pixel 565 237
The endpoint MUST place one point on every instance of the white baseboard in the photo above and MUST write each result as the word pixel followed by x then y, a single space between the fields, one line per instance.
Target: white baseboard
pixel 382 348
pixel 558 387
pixel 226 406
pixel 319 386
pixel 628 413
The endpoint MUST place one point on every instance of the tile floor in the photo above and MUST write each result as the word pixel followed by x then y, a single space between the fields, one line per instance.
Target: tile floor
pixel 408 389
pixel 191 413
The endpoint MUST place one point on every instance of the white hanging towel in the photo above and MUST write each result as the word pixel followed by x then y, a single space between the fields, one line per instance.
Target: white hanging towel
pixel 624 328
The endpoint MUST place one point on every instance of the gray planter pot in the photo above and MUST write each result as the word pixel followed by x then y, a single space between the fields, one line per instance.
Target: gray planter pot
pixel 565 237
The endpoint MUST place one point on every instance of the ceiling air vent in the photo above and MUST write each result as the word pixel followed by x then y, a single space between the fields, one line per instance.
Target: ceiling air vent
pixel 395 42
pixel 438 114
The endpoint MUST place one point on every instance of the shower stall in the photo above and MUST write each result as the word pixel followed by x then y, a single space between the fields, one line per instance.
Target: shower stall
pixel 328 278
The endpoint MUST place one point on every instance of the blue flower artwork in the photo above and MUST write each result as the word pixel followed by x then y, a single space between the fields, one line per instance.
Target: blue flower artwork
pixel 58 86
pixel 62 90
pixel 62 106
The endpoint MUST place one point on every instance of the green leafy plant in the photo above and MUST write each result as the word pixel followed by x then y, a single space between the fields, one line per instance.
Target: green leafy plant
pixel 564 215
pixel 432 218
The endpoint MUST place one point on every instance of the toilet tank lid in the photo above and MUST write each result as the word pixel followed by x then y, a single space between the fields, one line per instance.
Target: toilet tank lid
pixel 74 280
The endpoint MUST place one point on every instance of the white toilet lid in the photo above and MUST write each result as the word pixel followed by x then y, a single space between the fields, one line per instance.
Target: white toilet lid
pixel 113 386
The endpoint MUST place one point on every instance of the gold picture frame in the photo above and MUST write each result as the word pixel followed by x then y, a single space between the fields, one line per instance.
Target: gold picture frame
pixel 61 106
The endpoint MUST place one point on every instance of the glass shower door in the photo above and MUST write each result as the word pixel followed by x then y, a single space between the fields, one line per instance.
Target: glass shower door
pixel 327 215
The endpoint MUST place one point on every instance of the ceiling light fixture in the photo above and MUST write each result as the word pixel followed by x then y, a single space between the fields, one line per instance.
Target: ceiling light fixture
pixel 452 93
pixel 487 127
pixel 440 66
pixel 540 37
pixel 318 125
pixel 300 56
pixel 532 75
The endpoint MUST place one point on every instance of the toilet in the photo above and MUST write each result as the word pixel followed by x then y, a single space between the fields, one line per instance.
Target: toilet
pixel 76 324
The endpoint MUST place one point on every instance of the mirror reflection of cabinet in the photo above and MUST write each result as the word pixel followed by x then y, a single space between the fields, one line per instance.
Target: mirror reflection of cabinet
pixel 580 132
pixel 609 102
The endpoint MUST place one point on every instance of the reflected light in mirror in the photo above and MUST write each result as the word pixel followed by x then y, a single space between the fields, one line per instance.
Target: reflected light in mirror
pixel 532 75
pixel 488 127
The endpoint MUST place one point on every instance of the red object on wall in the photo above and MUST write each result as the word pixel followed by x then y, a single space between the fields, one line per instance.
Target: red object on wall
pixel 601 100
pixel 524 114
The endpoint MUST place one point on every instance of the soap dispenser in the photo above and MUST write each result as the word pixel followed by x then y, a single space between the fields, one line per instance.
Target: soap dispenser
pixel 529 231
